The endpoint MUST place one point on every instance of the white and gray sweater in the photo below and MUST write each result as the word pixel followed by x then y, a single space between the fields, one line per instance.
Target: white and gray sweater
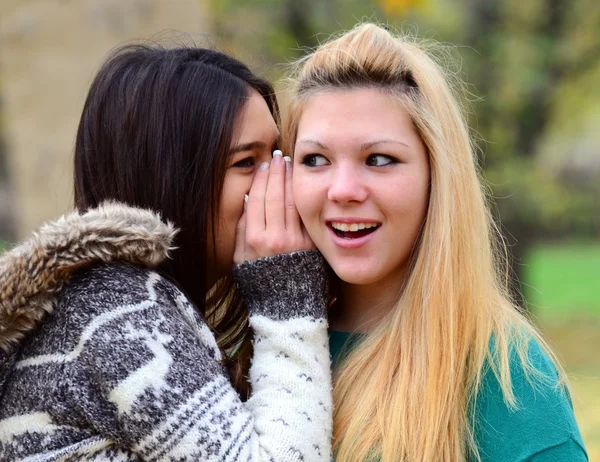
pixel 103 359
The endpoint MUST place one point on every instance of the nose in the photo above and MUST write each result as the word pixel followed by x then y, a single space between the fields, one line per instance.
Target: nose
pixel 347 185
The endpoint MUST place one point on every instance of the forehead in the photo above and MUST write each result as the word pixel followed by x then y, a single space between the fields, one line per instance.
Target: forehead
pixel 256 121
pixel 354 113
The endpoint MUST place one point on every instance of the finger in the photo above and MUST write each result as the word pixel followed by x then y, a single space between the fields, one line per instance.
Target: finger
pixel 275 195
pixel 239 254
pixel 256 201
pixel 292 219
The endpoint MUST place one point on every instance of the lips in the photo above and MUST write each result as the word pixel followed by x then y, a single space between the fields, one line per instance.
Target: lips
pixel 352 233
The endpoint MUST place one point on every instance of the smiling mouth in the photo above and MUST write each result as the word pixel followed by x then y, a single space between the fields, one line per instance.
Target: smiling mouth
pixel 353 230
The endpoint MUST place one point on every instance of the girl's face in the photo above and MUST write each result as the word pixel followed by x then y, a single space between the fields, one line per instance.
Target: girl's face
pixel 254 140
pixel 361 182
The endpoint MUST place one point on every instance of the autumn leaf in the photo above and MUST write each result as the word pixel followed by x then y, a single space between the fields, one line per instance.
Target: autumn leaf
pixel 399 7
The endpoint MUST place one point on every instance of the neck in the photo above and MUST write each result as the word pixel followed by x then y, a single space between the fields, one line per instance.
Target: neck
pixel 360 307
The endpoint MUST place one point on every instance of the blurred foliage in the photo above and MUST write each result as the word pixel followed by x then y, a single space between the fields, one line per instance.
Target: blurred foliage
pixel 532 68
pixel 277 30
pixel 400 7
pixel 563 280
pixel 530 57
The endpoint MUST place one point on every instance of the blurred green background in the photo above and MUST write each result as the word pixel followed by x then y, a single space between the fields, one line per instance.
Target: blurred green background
pixel 533 70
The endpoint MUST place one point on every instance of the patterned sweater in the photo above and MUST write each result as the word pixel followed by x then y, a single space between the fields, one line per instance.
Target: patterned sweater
pixel 103 359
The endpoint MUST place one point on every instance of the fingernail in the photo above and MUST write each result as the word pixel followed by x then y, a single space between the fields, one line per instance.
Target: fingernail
pixel 287 158
pixel 246 198
pixel 264 166
pixel 277 152
pixel 288 163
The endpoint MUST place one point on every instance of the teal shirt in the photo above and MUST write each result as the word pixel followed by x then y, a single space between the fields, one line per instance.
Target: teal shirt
pixel 542 429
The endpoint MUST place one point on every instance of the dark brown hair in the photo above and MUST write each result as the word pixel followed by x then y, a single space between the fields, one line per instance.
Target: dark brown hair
pixel 155 132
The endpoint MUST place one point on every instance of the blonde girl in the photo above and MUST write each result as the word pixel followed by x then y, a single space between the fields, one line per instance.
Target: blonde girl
pixel 437 362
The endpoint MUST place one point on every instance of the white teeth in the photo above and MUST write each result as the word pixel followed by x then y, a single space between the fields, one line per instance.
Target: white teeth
pixel 345 227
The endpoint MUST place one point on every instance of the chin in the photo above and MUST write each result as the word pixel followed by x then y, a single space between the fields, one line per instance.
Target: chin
pixel 352 276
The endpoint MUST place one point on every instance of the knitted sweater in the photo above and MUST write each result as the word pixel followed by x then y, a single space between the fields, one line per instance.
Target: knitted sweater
pixel 103 359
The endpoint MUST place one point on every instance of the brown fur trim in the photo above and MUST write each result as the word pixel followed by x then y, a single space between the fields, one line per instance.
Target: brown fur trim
pixel 34 272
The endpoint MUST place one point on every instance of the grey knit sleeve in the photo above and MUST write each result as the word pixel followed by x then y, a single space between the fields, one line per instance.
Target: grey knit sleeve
pixel 284 286
pixel 290 373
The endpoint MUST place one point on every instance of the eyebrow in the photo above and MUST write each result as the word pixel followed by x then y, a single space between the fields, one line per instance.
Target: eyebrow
pixel 369 144
pixel 364 146
pixel 247 147
pixel 254 145
pixel 316 143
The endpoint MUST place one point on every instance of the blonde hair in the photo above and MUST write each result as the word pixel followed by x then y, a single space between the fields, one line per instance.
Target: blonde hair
pixel 408 391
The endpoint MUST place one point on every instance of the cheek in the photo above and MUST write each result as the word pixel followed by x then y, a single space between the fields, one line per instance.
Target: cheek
pixel 232 198
pixel 404 207
pixel 410 194
pixel 422 190
pixel 305 195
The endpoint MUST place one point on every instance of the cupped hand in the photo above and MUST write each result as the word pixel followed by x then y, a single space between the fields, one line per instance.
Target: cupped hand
pixel 270 224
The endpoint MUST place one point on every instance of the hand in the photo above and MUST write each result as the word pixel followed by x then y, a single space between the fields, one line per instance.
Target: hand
pixel 270 224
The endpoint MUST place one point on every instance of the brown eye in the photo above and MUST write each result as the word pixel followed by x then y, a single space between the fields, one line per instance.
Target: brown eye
pixel 244 163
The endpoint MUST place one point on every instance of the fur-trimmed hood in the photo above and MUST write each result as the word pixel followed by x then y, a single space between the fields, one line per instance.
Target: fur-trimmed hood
pixel 32 274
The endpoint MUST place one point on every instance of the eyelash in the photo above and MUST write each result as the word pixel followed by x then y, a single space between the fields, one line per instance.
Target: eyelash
pixel 250 161
pixel 309 160
pixel 390 160
pixel 244 163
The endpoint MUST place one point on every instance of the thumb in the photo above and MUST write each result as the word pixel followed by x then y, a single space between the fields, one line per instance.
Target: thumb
pixel 239 254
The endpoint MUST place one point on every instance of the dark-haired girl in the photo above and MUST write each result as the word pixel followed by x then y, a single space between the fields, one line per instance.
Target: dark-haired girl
pixel 124 326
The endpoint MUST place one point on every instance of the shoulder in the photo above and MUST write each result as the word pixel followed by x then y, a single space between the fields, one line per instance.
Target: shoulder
pixel 117 296
pixel 542 419
pixel 111 284
pixel 119 286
